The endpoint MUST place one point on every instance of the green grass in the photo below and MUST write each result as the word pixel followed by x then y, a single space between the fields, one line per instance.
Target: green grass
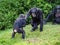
pixel 49 36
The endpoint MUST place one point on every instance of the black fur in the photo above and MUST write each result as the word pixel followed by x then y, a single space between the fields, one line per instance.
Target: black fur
pixel 18 26
pixel 55 14
pixel 37 18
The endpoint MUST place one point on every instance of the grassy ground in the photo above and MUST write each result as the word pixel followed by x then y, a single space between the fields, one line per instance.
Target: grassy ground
pixel 50 36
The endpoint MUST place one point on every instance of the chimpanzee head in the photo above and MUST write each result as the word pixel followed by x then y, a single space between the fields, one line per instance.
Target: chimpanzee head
pixel 22 16
pixel 58 8
pixel 33 11
pixel 58 11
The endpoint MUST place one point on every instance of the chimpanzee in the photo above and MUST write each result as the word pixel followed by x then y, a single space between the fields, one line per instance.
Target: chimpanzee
pixel 18 26
pixel 37 18
pixel 55 13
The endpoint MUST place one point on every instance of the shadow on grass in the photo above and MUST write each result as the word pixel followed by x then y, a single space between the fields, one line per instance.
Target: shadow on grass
pixel 57 43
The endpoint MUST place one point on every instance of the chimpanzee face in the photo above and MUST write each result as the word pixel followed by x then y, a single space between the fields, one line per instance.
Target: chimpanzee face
pixel 58 10
pixel 33 15
pixel 58 13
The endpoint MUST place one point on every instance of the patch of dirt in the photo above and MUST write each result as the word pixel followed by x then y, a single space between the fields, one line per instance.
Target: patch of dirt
pixel 33 40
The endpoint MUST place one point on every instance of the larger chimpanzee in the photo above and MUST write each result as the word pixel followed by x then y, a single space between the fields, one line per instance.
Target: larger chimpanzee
pixel 55 13
pixel 18 26
pixel 37 18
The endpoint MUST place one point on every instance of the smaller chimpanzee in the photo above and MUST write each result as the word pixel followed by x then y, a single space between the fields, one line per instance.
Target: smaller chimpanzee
pixel 54 15
pixel 18 26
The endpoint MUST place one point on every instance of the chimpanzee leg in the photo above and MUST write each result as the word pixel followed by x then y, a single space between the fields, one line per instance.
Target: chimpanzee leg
pixel 13 34
pixel 41 23
pixel 23 35
pixel 57 20
pixel 41 27
pixel 22 32
pixel 54 21
pixel 34 26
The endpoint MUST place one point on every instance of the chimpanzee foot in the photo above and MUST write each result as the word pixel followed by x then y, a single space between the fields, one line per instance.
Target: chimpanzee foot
pixel 33 29
pixel 41 30
pixel 13 34
pixel 12 37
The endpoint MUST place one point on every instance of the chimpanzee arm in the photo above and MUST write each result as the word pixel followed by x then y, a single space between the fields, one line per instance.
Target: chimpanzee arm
pixel 51 14
pixel 28 14
pixel 41 20
pixel 48 17
pixel 41 24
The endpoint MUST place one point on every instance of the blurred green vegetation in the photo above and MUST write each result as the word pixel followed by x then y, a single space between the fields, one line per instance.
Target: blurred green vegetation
pixel 10 9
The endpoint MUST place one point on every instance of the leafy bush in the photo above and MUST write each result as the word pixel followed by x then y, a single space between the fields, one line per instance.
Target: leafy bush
pixel 10 9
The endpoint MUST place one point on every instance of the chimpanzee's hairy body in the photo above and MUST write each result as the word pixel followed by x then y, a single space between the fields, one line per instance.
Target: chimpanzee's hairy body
pixel 55 13
pixel 18 26
pixel 38 19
